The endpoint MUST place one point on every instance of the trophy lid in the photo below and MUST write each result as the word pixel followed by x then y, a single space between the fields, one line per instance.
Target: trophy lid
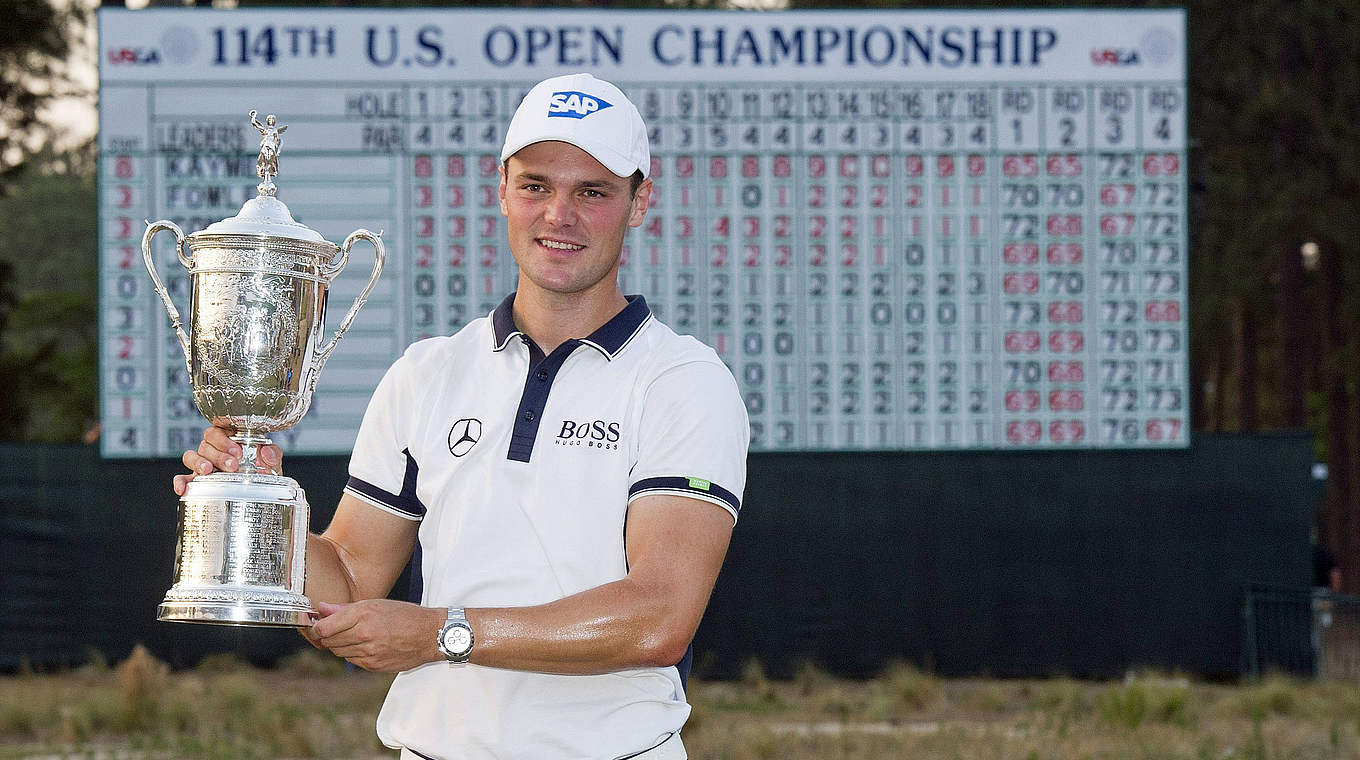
pixel 266 214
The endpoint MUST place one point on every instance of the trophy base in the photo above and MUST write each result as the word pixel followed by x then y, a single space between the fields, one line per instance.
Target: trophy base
pixel 241 553
pixel 215 613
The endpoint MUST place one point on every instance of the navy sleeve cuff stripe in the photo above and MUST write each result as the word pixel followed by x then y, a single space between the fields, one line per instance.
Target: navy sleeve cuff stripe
pixel 404 505
pixel 688 487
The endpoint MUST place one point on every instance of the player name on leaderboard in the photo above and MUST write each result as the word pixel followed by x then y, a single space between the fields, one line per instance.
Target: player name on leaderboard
pixel 900 230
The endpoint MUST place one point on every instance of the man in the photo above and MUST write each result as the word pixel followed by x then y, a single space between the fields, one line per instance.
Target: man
pixel 568 472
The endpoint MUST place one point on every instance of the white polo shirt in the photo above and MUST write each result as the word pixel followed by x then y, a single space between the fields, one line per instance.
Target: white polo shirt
pixel 520 468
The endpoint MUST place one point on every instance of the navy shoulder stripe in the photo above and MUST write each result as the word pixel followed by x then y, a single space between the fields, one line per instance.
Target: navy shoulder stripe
pixel 695 487
pixel 405 503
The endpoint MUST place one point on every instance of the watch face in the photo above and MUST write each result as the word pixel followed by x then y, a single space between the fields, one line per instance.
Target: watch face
pixel 457 639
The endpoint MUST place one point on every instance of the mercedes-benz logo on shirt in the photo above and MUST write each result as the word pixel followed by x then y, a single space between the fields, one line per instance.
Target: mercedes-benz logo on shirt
pixel 464 435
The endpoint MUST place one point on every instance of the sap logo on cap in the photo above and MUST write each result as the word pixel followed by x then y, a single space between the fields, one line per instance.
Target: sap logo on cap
pixel 574 105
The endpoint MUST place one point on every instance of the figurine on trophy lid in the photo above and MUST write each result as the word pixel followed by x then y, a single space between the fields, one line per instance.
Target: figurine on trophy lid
pixel 254 352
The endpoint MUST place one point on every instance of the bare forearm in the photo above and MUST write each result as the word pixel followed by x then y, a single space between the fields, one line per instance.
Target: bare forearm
pixel 328 579
pixel 616 626
pixel 359 556
pixel 647 619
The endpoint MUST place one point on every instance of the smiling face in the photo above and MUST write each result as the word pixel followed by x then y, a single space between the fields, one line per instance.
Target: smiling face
pixel 567 217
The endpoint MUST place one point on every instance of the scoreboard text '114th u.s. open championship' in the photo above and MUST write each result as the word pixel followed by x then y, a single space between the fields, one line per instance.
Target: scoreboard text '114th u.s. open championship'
pixel 901 230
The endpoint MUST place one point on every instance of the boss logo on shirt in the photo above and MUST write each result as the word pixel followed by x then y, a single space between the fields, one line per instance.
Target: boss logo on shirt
pixel 574 105
pixel 596 434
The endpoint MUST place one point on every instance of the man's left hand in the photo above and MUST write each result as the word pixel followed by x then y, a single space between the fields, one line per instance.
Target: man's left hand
pixel 379 634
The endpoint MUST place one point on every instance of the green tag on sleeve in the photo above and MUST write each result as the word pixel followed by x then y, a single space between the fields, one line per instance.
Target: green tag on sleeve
pixel 699 484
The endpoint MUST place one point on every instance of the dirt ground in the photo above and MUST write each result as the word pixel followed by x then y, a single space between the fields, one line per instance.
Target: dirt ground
pixel 311 706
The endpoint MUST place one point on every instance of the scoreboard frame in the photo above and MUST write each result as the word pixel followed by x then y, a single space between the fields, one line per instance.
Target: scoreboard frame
pixel 901 230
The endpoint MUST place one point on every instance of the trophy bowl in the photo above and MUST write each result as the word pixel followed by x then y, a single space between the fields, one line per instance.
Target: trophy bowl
pixel 254 353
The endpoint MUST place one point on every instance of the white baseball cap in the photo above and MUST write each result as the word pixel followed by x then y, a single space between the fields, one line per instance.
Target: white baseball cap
pixel 591 114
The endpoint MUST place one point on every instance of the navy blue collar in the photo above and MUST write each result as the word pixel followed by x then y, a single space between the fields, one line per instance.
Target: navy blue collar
pixel 609 339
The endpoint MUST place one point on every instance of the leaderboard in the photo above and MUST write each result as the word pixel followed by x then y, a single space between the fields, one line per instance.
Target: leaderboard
pixel 900 230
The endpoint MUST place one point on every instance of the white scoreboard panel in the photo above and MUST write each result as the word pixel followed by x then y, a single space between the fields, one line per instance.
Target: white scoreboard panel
pixel 901 230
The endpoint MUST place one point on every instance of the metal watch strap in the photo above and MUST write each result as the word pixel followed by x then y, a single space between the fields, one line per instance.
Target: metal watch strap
pixel 456 617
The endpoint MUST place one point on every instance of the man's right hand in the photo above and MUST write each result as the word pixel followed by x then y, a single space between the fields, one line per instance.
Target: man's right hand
pixel 218 452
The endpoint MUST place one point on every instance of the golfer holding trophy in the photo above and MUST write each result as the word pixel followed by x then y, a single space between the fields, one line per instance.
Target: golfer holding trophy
pixel 254 354
pixel 565 473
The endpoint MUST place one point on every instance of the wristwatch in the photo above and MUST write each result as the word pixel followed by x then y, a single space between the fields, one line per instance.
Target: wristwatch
pixel 455 638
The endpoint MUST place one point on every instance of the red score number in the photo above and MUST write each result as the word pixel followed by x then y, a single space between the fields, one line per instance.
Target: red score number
pixel 1117 195
pixel 1024 431
pixel 1161 164
pixel 1066 431
pixel 1065 400
pixel 1063 165
pixel 1066 372
pixel 1117 225
pixel 1064 225
pixel 1020 253
pixel 1163 311
pixel 1065 312
pixel 1022 341
pixel 1066 341
pixel 1061 254
pixel 1163 429
pixel 1026 165
pixel 1022 401
pixel 944 166
pixel 1020 283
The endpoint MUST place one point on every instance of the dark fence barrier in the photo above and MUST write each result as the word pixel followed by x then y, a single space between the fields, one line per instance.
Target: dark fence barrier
pixel 1300 632
pixel 1016 563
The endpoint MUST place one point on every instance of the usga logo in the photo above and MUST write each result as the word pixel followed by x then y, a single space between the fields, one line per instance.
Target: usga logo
pixel 133 55
pixel 592 433
pixel 1114 57
pixel 574 105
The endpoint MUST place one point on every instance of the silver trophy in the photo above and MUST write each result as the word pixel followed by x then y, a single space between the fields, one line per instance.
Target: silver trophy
pixel 254 353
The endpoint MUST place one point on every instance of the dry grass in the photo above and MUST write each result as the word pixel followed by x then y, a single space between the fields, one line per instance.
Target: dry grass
pixel 310 706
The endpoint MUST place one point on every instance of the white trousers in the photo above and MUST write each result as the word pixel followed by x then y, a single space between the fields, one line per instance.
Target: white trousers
pixel 671 749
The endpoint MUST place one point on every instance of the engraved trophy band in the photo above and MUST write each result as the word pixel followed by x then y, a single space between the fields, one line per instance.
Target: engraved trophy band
pixel 254 352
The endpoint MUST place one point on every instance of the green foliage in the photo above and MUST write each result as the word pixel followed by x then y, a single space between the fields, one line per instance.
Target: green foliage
pixel 902 687
pixel 1137 701
pixel 1274 88
pixel 810 678
pixel 757 691
pixel 1274 696
pixel 35 40
pixel 48 302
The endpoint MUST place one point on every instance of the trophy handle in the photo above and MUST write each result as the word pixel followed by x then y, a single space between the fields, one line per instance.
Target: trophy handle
pixel 379 256
pixel 151 229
